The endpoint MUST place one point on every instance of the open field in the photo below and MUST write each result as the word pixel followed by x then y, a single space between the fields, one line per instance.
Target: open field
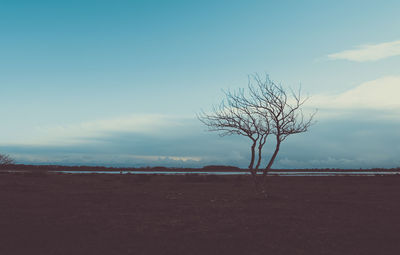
pixel 44 213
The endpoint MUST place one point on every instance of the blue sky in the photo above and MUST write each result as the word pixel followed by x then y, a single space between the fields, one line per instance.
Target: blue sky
pixel 120 82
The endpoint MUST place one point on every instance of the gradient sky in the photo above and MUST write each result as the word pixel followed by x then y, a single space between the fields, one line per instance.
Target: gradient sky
pixel 120 82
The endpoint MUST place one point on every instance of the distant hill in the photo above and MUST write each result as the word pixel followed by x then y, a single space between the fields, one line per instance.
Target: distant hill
pixel 220 168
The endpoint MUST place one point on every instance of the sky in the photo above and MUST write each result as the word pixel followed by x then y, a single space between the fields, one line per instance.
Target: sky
pixel 119 83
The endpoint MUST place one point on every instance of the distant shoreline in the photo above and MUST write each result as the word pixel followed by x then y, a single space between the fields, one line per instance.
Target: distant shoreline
pixel 210 168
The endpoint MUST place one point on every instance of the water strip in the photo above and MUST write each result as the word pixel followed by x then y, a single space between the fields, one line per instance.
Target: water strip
pixel 271 173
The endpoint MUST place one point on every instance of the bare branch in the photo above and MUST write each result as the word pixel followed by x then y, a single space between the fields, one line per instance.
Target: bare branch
pixel 6 160
pixel 264 108
pixel 236 116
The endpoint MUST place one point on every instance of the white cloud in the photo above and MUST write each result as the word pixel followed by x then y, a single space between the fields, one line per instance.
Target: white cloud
pixel 152 158
pixel 77 133
pixel 105 159
pixel 370 52
pixel 381 94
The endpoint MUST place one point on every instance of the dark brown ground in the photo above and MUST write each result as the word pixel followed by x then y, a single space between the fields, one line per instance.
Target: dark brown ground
pixel 125 214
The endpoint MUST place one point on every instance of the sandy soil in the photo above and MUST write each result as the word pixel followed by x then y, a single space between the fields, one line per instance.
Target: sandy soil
pixel 124 214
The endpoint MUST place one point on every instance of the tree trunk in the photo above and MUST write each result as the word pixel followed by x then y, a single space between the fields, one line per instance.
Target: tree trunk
pixel 253 171
pixel 271 161
pixel 266 170
pixel 260 146
pixel 252 154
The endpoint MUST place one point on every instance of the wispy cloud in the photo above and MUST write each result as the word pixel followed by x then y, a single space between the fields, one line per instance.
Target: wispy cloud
pixel 105 159
pixel 381 94
pixel 369 52
pixel 80 133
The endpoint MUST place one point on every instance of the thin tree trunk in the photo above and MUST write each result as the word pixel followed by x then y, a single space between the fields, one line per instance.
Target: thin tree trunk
pixel 271 161
pixel 253 171
pixel 266 170
pixel 252 154
pixel 260 146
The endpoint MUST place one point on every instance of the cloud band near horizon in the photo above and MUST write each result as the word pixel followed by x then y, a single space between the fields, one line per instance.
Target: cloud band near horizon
pixel 347 134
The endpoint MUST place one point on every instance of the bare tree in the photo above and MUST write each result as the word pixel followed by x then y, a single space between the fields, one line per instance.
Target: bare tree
pixel 264 108
pixel 5 160
pixel 234 116
pixel 284 111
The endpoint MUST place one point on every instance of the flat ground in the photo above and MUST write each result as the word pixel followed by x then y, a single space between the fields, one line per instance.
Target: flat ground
pixel 124 214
